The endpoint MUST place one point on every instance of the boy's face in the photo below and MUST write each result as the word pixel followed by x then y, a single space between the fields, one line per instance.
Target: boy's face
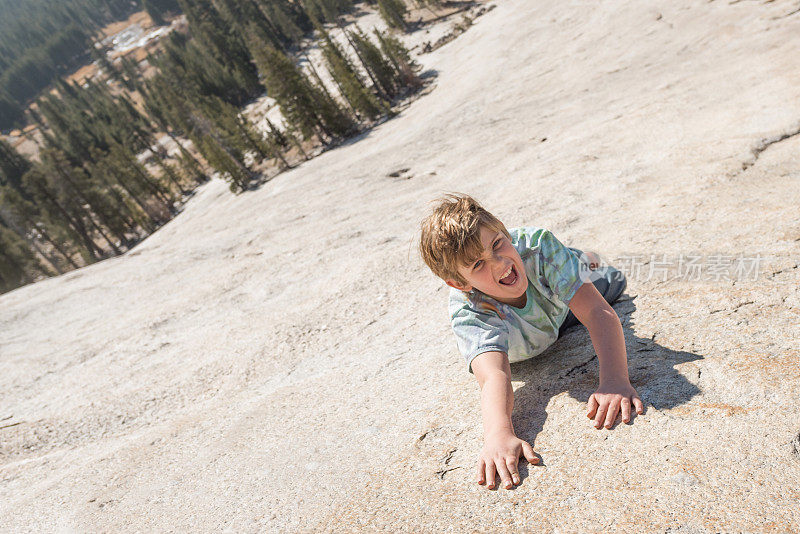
pixel 499 271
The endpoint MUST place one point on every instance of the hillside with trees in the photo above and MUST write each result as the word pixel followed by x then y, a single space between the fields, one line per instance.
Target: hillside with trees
pixel 41 40
pixel 103 181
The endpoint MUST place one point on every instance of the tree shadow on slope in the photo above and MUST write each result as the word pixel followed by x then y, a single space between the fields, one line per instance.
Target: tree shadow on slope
pixel 571 364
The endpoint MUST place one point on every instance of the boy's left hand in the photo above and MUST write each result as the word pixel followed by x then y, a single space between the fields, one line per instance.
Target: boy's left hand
pixel 609 399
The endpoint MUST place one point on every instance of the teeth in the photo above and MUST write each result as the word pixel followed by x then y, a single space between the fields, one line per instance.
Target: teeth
pixel 506 273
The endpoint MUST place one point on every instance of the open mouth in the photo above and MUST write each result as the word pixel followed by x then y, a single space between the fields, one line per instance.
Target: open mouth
pixel 509 277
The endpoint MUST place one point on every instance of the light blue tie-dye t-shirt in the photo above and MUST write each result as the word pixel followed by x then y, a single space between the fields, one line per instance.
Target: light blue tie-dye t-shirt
pixel 483 324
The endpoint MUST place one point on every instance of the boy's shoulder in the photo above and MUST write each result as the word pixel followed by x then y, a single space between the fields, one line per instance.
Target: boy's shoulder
pixel 529 238
pixel 474 306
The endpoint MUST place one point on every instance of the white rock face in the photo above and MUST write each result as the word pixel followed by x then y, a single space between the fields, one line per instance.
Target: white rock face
pixel 281 360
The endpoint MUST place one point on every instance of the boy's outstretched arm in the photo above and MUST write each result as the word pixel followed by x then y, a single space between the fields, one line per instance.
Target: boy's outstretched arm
pixel 615 393
pixel 501 446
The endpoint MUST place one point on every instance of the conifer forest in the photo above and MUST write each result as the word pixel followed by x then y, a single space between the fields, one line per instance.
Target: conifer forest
pixel 103 178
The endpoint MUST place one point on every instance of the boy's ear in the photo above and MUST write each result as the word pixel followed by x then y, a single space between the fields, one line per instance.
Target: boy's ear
pixel 452 283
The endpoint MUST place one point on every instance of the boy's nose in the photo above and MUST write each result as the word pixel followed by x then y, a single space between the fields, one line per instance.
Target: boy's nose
pixel 501 266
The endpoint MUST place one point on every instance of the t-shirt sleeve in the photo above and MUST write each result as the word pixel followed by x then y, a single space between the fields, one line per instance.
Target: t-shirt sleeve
pixel 478 332
pixel 562 270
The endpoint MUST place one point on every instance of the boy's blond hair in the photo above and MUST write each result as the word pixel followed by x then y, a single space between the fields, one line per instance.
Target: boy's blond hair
pixel 451 235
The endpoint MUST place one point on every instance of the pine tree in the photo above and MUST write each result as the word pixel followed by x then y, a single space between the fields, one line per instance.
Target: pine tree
pixel 130 73
pixel 323 10
pixel 25 219
pixel 225 45
pixel 350 84
pixel 158 114
pixel 377 64
pixel 18 265
pixel 303 104
pixel 214 143
pixel 269 19
pixel 281 17
pixel 110 171
pixel 10 110
pixel 159 9
pixel 219 156
pixel 123 209
pixel 155 14
pixel 400 57
pixel 70 184
pixel 286 137
pixel 393 12
pixel 176 107
pixel 61 213
pixel 100 55
pixel 12 166
pixel 135 170
pixel 9 216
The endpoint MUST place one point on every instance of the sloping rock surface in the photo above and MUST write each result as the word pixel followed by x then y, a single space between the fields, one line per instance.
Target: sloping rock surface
pixel 281 360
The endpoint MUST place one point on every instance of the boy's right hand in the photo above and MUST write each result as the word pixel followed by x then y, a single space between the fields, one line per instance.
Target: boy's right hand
pixel 501 452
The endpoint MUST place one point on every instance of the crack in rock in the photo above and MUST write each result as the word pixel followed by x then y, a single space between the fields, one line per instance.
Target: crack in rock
pixel 580 365
pixel 745 303
pixel 766 143
pixel 12 424
pixel 789 14
pixel 781 271
pixel 424 435
pixel 795 443
pixel 442 472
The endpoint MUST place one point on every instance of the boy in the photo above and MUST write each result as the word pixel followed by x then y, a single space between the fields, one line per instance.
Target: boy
pixel 513 292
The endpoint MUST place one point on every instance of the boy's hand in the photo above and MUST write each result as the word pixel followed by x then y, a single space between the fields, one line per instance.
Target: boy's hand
pixel 609 399
pixel 501 451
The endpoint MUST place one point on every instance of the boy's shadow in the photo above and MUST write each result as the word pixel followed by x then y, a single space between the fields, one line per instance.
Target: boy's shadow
pixel 571 364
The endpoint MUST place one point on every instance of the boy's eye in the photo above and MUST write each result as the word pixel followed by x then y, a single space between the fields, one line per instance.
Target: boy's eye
pixel 497 244
pixel 477 265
